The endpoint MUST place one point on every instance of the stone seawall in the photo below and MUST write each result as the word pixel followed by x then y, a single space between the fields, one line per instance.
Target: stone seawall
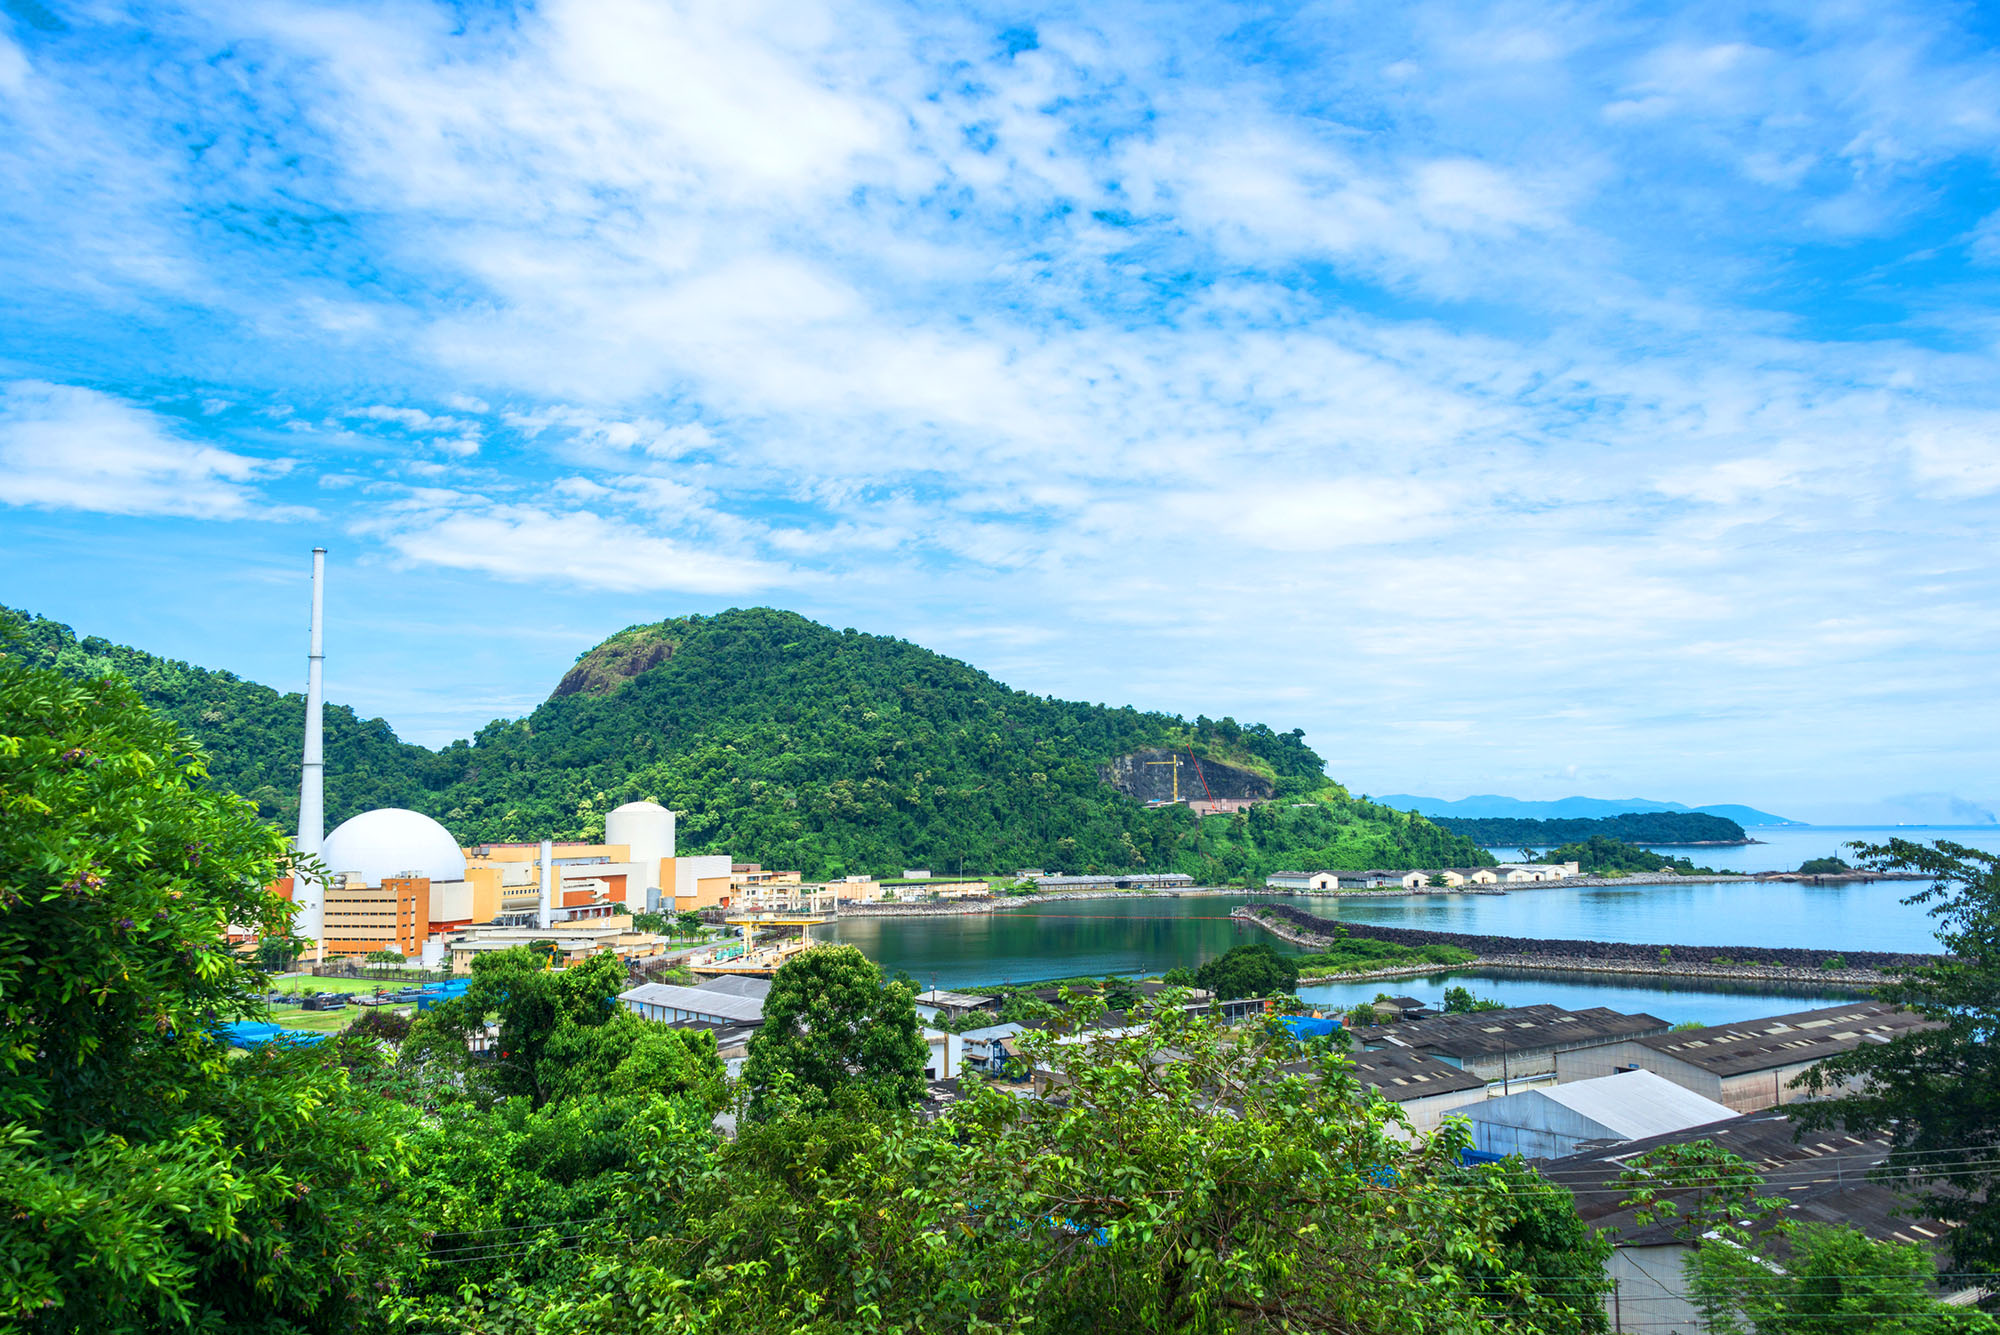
pixel 1861 968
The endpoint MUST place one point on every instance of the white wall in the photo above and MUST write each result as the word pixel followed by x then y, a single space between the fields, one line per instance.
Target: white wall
pixel 688 870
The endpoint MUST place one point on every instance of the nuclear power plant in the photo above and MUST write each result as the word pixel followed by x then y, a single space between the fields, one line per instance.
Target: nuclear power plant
pixel 397 880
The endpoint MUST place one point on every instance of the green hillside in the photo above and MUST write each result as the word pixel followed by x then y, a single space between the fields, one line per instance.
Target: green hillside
pixel 253 734
pixel 784 742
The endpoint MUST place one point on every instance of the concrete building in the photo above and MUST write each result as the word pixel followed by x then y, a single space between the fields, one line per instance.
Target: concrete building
pixel 1750 1066
pixel 987 1050
pixel 395 878
pixel 945 1059
pixel 953 1005
pixel 575 940
pixel 1823 1178
pixel 1303 880
pixel 1560 1120
pixel 1518 1043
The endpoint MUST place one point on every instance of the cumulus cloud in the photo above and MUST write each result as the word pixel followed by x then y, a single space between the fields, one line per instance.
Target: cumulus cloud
pixel 72 448
pixel 529 544
pixel 1468 340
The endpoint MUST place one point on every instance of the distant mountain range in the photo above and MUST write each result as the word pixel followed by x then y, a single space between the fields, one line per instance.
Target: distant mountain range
pixel 1491 804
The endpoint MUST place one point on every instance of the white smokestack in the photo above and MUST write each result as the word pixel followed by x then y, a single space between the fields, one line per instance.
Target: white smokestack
pixel 308 894
pixel 548 884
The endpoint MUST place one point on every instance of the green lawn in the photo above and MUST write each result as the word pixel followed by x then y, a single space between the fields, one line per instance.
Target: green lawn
pixel 319 1022
pixel 303 983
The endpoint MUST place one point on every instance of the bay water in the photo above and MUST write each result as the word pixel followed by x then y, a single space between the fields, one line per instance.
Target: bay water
pixel 1148 934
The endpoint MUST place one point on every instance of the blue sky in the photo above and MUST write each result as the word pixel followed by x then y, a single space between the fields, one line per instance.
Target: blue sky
pixel 1524 398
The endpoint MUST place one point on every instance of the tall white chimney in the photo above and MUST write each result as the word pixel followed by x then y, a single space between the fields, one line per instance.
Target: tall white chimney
pixel 548 914
pixel 308 893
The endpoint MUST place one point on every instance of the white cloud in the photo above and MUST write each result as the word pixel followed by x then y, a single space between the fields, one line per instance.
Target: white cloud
pixel 529 544
pixel 69 448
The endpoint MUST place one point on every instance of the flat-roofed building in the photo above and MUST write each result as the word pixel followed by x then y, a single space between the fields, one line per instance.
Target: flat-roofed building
pixel 360 918
pixel 952 1005
pixel 1747 1066
pixel 1520 1042
pixel 574 940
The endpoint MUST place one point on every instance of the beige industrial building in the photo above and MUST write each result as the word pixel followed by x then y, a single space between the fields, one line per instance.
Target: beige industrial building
pixel 397 880
pixel 1745 1067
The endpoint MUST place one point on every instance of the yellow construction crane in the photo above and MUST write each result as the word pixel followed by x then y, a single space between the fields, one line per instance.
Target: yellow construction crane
pixel 1176 763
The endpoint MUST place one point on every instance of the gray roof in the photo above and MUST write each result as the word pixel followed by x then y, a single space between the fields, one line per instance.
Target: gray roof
pixel 991 1031
pixel 1515 1029
pixel 697 1001
pixel 737 985
pixel 1823 1179
pixel 1399 1076
pixel 1786 1040
pixel 1629 1105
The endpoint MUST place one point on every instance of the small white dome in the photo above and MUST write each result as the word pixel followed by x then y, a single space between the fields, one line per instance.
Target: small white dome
pixel 393 842
pixel 633 808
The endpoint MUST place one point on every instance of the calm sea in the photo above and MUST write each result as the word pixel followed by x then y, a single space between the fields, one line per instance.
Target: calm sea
pixel 1784 847
pixel 1148 935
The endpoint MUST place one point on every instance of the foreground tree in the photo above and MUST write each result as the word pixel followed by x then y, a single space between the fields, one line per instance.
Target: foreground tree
pixel 1184 1180
pixel 831 1023
pixel 561 1033
pixel 1936 1091
pixel 1753 1271
pixel 148 1181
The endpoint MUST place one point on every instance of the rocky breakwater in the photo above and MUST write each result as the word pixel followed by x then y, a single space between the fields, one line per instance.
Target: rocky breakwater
pixel 1751 963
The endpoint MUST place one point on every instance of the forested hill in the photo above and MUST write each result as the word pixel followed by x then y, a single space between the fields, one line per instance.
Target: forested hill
pixel 253 734
pixel 1634 827
pixel 784 742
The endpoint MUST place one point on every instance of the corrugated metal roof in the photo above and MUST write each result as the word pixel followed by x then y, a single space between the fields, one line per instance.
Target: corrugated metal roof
pixel 696 1001
pixel 1786 1040
pixel 737 985
pixel 1515 1029
pixel 1630 1105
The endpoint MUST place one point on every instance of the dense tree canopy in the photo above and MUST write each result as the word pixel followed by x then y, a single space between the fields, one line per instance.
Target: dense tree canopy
pixel 1602 856
pixel 831 1024
pixel 147 1181
pixel 784 742
pixel 1936 1090
pixel 1253 970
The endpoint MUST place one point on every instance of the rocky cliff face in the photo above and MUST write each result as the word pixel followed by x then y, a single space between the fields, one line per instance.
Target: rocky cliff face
pixel 616 661
pixel 1149 776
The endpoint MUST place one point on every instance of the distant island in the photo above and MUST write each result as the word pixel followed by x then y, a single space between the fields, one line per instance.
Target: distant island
pixel 1692 829
pixel 1491 804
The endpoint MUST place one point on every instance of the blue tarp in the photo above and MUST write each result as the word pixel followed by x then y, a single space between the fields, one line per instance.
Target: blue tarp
pixel 253 1034
pixel 1308 1026
pixel 436 992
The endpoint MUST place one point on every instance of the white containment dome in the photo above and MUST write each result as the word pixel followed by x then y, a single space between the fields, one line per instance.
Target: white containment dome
pixel 647 828
pixel 393 842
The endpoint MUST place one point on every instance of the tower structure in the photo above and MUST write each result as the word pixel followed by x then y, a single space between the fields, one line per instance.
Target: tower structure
pixel 309 894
